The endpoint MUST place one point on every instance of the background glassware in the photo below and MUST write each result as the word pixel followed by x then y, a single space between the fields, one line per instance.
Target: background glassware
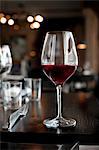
pixel 5 64
pixel 59 61
pixel 12 98
pixel 10 91
pixel 36 89
pixel 15 92
pixel 5 60
pixel 28 87
pixel 32 88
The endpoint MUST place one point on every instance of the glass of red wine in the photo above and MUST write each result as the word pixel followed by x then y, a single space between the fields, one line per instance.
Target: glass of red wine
pixel 59 61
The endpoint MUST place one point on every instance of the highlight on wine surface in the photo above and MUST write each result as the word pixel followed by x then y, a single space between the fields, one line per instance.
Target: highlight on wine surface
pixel 59 62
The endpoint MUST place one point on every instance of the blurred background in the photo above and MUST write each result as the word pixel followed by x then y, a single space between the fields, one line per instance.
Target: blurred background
pixel 23 25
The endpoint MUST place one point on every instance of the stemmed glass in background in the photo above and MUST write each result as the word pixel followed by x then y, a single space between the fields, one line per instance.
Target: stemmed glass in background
pixel 59 61
pixel 5 68
pixel 5 63
pixel 10 92
pixel 5 60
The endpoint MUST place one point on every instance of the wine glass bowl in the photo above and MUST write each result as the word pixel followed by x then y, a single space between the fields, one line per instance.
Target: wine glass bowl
pixel 5 60
pixel 5 64
pixel 59 61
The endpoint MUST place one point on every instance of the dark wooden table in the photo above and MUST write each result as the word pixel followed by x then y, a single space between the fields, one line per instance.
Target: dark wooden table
pixel 31 129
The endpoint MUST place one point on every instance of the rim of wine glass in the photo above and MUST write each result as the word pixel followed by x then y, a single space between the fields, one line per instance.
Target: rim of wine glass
pixel 3 45
pixel 49 32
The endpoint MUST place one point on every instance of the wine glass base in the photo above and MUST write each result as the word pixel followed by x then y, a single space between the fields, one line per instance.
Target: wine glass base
pixel 59 123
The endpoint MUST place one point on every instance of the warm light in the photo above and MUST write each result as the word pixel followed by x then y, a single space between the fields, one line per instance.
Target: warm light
pixel 81 46
pixel 31 26
pixel 32 53
pixel 3 20
pixel 1 15
pixel 35 25
pixel 30 18
pixel 39 18
pixel 11 22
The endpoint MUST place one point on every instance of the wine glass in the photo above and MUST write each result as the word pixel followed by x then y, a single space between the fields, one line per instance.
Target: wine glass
pixel 5 60
pixel 5 63
pixel 59 61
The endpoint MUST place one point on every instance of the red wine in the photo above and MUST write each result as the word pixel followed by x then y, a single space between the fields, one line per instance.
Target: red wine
pixel 59 73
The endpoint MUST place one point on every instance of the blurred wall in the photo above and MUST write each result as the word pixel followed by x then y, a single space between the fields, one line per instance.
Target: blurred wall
pixel 82 20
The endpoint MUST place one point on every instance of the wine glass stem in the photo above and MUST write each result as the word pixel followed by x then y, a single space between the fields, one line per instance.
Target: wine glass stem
pixel 59 92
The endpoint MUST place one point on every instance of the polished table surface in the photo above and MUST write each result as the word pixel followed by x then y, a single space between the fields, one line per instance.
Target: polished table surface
pixel 30 129
pixel 33 146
